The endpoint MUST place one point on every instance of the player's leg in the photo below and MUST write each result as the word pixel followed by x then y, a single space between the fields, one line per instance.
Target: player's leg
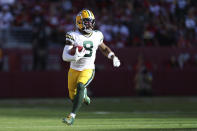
pixel 78 99
pixel 86 98
pixel 72 88
pixel 84 79
pixel 72 83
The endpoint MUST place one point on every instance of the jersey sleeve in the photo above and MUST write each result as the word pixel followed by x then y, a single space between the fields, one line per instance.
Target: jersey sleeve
pixel 101 37
pixel 70 37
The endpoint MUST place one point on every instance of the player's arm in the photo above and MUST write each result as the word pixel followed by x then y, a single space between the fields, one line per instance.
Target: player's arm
pixel 108 53
pixel 65 55
pixel 69 45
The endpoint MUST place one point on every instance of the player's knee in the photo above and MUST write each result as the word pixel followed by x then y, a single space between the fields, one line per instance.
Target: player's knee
pixel 80 86
pixel 71 98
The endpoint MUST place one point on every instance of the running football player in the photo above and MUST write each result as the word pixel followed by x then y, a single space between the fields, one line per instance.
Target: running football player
pixel 81 71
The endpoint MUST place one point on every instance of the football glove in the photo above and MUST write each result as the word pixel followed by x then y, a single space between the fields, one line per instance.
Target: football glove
pixel 78 55
pixel 116 62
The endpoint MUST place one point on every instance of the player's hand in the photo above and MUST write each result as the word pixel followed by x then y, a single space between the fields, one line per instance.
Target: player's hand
pixel 116 62
pixel 78 55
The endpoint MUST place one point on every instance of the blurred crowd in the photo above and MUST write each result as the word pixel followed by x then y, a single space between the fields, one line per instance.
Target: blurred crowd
pixel 123 23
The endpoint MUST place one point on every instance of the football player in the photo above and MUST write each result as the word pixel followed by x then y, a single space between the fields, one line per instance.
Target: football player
pixel 82 66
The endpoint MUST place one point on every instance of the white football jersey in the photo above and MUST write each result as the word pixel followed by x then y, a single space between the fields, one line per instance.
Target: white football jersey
pixel 90 43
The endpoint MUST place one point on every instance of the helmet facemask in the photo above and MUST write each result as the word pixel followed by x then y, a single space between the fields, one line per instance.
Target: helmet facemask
pixel 88 25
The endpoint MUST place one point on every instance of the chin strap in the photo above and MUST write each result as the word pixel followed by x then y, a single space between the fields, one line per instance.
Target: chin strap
pixel 85 33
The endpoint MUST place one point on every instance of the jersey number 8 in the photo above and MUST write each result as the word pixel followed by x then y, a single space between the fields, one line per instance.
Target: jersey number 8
pixel 88 45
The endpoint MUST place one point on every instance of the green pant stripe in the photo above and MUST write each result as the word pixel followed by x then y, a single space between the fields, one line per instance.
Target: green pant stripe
pixel 91 78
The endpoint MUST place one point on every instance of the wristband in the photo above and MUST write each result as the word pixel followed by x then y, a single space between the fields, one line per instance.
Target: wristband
pixel 110 54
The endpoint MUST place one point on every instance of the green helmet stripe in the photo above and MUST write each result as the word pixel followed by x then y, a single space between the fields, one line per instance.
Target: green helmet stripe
pixel 89 13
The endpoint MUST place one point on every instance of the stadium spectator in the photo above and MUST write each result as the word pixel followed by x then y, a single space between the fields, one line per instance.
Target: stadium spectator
pixel 155 8
pixel 183 58
pixel 67 5
pixel 183 42
pixel 190 23
pixel 6 19
pixel 40 47
pixel 141 23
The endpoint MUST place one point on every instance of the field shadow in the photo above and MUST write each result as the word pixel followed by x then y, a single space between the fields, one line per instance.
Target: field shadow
pixel 113 109
pixel 151 129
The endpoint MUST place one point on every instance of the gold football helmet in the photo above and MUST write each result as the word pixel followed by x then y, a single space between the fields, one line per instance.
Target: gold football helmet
pixel 85 21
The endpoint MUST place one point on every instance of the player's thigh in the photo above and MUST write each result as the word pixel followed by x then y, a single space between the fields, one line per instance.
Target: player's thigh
pixel 86 76
pixel 72 82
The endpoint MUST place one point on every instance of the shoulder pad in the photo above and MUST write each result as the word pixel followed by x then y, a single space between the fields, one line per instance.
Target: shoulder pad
pixel 70 37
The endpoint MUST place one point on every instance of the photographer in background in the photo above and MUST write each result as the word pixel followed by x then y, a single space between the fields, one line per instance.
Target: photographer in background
pixel 143 78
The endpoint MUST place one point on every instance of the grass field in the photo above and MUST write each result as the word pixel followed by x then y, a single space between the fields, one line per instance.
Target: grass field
pixel 104 114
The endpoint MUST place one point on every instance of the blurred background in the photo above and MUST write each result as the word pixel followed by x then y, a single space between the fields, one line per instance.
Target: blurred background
pixel 154 39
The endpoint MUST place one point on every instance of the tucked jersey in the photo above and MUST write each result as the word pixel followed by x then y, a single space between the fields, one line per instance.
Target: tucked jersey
pixel 90 43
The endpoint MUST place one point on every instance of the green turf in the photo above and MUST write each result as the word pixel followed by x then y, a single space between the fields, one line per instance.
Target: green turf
pixel 104 114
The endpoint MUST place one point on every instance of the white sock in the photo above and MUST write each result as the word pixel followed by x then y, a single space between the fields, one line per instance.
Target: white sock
pixel 73 115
